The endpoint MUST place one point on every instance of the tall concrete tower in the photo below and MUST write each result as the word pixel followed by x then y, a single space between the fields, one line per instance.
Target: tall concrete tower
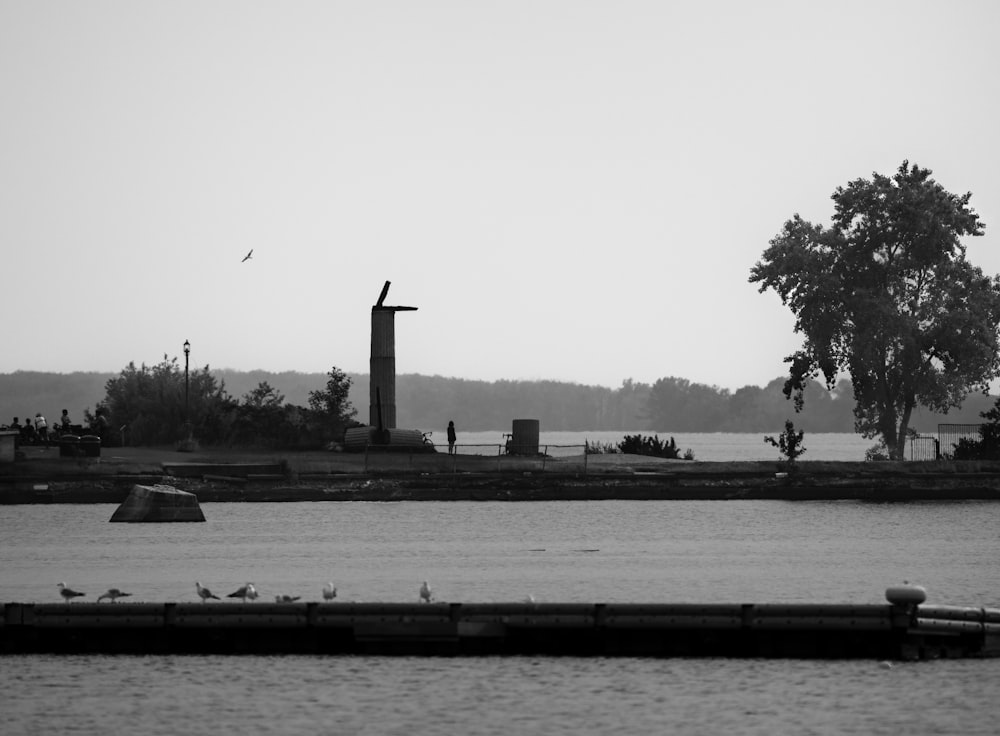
pixel 382 391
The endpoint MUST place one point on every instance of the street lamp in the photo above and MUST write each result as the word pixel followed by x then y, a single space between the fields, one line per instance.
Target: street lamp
pixel 187 444
pixel 187 383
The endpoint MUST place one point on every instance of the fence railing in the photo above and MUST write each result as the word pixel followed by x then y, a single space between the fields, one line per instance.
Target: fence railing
pixel 949 435
pixel 483 457
pixel 924 448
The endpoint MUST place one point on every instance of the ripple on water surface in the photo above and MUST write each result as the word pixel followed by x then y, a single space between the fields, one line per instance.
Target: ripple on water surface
pixel 281 695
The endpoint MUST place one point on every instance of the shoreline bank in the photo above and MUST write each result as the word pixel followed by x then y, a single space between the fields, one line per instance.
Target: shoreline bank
pixel 218 476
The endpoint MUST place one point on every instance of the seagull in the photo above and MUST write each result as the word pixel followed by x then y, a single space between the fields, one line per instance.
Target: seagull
pixel 244 592
pixel 329 592
pixel 286 598
pixel 425 593
pixel 68 594
pixel 247 256
pixel 204 593
pixel 113 594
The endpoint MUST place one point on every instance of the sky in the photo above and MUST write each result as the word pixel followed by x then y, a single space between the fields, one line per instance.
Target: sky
pixel 566 190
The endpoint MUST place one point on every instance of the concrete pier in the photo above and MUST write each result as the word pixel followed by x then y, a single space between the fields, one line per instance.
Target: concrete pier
pixel 799 631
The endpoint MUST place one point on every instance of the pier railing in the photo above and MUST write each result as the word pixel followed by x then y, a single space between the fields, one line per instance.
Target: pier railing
pixel 469 457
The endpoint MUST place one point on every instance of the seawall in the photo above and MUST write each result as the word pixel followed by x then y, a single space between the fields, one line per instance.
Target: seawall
pixel 218 477
pixel 831 631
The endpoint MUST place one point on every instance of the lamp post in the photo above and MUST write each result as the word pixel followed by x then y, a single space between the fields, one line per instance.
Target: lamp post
pixel 187 383
pixel 187 444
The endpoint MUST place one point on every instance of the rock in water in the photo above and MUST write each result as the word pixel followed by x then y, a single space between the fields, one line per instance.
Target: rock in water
pixel 158 503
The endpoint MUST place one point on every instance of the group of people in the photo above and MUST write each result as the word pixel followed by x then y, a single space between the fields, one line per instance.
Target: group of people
pixel 35 431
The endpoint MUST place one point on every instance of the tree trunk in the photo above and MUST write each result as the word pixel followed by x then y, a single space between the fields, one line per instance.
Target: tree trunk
pixel 904 424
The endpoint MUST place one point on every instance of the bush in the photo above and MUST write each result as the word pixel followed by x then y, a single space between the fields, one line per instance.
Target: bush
pixel 987 447
pixel 652 446
pixel 877 453
pixel 599 448
pixel 789 442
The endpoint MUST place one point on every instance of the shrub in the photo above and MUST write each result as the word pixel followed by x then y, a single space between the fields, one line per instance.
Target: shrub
pixel 652 446
pixel 876 453
pixel 599 448
pixel 789 442
pixel 987 447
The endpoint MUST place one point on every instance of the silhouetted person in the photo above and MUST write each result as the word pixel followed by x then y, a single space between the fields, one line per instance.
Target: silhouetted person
pixel 451 438
pixel 101 425
pixel 16 425
pixel 64 421
pixel 28 435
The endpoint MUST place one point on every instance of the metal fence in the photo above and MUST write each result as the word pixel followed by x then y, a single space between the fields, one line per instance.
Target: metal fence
pixel 924 448
pixel 479 458
pixel 950 434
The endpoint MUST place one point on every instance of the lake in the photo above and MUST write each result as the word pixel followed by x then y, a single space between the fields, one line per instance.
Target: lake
pixel 608 551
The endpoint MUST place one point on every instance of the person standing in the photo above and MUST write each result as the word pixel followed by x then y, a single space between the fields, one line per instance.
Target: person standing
pixel 41 428
pixel 451 438
pixel 65 422
pixel 28 436
pixel 16 425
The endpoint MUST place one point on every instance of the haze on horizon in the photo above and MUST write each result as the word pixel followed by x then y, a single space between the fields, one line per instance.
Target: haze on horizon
pixel 569 191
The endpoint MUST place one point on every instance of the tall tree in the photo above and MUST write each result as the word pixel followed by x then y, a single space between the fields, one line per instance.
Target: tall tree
pixel 331 410
pixel 887 294
pixel 261 418
pixel 152 403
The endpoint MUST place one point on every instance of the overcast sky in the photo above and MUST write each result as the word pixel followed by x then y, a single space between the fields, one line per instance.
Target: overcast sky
pixel 572 190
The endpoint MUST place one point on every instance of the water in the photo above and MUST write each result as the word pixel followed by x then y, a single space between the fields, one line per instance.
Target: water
pixel 736 551
pixel 494 696
pixel 706 446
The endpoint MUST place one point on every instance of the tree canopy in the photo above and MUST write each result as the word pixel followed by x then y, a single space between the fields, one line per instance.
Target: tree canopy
pixel 887 295
pixel 152 404
pixel 330 409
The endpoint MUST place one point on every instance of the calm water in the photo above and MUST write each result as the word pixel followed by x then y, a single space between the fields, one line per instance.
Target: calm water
pixel 601 551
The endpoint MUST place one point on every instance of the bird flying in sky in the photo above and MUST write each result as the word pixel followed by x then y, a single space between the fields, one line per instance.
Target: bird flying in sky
pixel 247 256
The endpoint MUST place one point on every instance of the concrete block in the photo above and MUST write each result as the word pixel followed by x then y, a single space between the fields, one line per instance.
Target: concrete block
pixel 158 503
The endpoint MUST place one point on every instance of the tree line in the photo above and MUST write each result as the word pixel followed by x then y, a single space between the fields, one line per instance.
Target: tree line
pixel 254 408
